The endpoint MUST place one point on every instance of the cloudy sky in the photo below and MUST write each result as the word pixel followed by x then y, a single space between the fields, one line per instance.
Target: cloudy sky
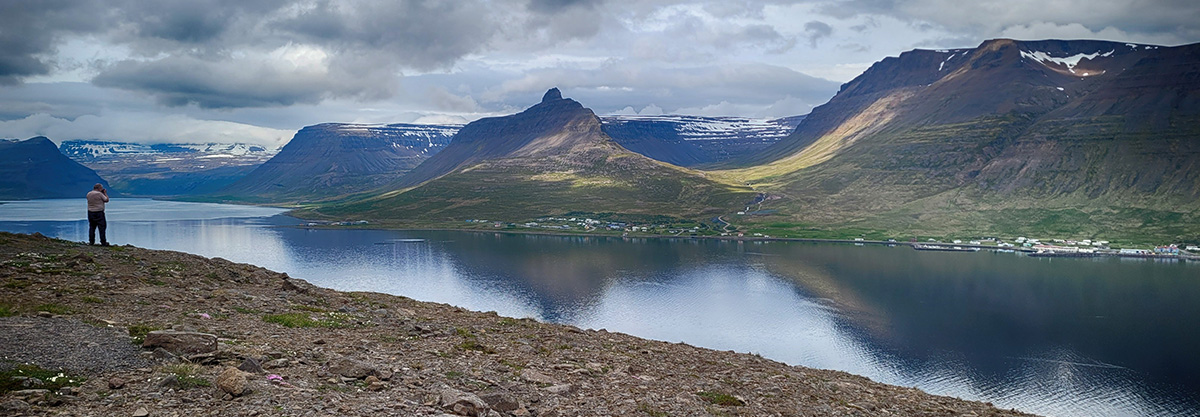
pixel 258 70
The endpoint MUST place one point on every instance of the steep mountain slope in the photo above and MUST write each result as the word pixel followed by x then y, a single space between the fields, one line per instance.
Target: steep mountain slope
pixel 167 169
pixel 333 159
pixel 1054 137
pixel 550 159
pixel 34 168
pixel 696 140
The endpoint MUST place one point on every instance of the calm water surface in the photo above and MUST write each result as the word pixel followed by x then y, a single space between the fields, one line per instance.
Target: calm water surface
pixel 1064 337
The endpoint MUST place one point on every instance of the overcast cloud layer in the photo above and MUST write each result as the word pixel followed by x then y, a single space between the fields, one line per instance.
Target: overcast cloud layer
pixel 257 70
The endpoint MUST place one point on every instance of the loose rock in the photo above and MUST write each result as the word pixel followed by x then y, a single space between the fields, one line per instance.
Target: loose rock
pixel 233 382
pixel 181 343
pixel 463 403
pixel 351 368
pixel 251 365
pixel 501 401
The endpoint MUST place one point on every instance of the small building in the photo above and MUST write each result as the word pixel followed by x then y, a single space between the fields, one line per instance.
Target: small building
pixel 1056 249
pixel 1167 250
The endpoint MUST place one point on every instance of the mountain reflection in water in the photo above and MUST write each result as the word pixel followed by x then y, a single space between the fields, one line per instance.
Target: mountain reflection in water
pixel 1052 336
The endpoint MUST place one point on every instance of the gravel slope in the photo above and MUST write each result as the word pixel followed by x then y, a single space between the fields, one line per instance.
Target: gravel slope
pixel 368 354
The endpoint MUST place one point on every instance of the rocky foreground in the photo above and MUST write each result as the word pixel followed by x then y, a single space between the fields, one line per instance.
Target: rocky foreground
pixel 137 332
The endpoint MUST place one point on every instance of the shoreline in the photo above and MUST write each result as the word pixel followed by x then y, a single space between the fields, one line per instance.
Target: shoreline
pixel 1021 250
pixel 308 350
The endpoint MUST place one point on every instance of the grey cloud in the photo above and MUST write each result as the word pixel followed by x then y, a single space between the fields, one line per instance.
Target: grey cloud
pixel 417 34
pixel 1178 20
pixel 186 22
pixel 365 44
pixel 815 30
pixel 180 81
pixel 30 31
pixel 634 85
pixel 554 6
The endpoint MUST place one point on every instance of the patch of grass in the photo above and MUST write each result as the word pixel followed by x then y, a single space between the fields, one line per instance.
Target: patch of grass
pixel 91 299
pixel 14 379
pixel 244 310
pixel 16 285
pixel 139 332
pixel 476 346
pixel 720 398
pixel 211 275
pixel 515 366
pixel 301 320
pixel 509 321
pixel 187 375
pixel 301 307
pixel 7 311
pixel 54 309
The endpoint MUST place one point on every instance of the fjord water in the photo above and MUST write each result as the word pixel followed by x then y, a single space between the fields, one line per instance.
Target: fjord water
pixel 1063 337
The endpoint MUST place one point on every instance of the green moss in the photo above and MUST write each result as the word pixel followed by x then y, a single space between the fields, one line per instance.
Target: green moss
pixel 139 332
pixel 720 398
pixel 54 308
pixel 187 375
pixel 475 346
pixel 14 379
pixel 302 320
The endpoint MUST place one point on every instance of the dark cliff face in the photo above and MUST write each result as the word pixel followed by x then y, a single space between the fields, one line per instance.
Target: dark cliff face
pixel 333 159
pixel 35 168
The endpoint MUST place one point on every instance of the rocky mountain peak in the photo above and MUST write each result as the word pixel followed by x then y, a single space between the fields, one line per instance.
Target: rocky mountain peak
pixel 552 94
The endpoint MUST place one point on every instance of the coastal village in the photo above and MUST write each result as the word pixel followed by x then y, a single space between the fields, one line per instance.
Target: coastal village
pixel 1037 247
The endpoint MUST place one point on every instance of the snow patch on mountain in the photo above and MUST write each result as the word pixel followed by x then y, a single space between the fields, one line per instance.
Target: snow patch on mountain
pixel 93 149
pixel 1070 61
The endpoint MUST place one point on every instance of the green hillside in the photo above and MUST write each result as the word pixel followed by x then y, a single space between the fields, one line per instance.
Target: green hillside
pixel 1114 156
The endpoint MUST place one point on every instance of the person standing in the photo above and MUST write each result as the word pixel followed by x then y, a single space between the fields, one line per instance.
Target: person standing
pixel 96 199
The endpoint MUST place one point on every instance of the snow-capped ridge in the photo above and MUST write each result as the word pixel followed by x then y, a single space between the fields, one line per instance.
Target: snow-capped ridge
pixel 1070 61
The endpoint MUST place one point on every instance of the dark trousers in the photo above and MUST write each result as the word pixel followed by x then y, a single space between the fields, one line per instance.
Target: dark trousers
pixel 96 221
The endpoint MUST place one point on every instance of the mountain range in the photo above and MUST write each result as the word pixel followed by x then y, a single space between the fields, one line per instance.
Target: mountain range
pixel 551 159
pixel 167 169
pixel 696 140
pixel 1050 138
pixel 34 168
pixel 332 159
pixel 1075 138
